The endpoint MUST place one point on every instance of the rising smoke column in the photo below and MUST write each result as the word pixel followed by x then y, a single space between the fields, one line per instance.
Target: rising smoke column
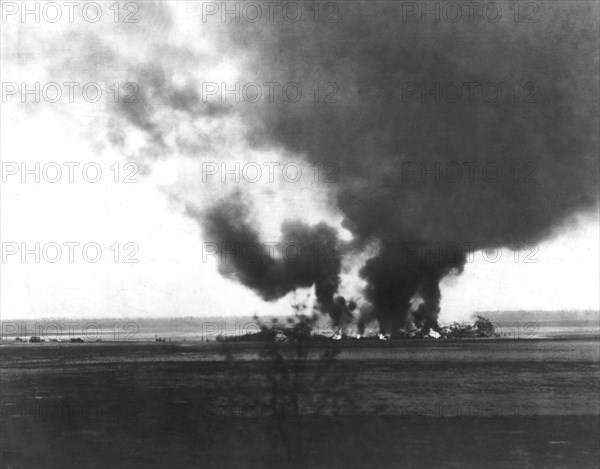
pixel 304 255
pixel 387 139
pixel 396 275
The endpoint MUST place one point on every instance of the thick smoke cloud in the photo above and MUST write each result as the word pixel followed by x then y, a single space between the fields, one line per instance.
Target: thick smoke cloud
pixel 543 143
pixel 304 255
pixel 430 156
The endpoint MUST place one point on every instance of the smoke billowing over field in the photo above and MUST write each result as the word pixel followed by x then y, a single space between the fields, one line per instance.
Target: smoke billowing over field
pixel 528 99
pixel 313 234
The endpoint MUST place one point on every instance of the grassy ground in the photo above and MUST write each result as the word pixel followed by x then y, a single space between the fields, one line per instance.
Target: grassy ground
pixel 401 404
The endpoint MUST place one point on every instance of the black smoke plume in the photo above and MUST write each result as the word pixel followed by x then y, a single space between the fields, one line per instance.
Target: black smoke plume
pixel 540 133
pixel 303 256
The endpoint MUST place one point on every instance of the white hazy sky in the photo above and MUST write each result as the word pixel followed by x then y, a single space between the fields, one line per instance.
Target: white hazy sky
pixel 170 277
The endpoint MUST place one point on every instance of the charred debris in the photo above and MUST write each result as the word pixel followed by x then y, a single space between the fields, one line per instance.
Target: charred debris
pixel 294 331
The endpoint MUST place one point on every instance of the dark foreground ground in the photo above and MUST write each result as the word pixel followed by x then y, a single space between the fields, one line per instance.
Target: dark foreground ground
pixel 406 404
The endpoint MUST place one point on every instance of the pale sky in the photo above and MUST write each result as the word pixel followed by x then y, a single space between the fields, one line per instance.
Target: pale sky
pixel 170 277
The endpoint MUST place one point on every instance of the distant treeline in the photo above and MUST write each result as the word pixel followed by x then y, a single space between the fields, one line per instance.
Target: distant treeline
pixel 187 323
pixel 549 318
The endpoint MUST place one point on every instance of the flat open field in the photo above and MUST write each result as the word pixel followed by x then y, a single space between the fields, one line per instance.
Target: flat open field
pixel 400 404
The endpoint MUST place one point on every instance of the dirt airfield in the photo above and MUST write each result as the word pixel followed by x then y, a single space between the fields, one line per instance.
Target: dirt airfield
pixel 410 404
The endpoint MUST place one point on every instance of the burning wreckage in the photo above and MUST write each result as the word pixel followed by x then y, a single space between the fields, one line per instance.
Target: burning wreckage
pixel 410 225
pixel 481 328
